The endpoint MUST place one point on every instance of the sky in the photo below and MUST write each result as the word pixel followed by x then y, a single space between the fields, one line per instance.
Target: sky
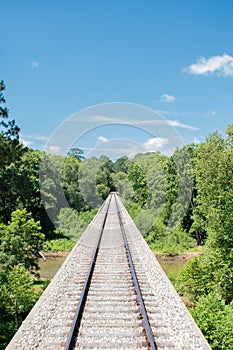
pixel 171 57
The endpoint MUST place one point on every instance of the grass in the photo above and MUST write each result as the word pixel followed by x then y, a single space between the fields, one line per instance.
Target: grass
pixel 60 244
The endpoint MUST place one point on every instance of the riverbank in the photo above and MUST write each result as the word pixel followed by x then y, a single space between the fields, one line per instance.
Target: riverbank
pixel 170 264
pixel 50 255
pixel 185 256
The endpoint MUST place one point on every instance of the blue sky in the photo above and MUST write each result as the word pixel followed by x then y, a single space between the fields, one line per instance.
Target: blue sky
pixel 175 57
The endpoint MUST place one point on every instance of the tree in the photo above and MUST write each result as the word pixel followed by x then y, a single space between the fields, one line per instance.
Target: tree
pixel 123 186
pixel 17 292
pixel 87 182
pixel 70 183
pixel 121 165
pixel 21 241
pixel 17 297
pixel 95 180
pixel 10 129
pixel 76 153
pixel 138 179
pixel 215 320
pixel 104 180
pixel 180 185
pixel 153 166
pixel 72 224
pixel 50 176
pixel 11 151
pixel 214 201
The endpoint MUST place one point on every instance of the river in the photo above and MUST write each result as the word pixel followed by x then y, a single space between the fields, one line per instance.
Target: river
pixel 49 267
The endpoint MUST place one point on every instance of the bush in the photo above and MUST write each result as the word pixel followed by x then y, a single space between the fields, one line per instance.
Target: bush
pixel 72 224
pixel 17 296
pixel 134 209
pixel 169 243
pixel 215 319
pixel 61 244
pixel 192 281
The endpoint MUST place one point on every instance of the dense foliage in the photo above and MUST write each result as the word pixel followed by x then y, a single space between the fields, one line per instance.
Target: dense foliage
pixel 208 280
pixel 178 202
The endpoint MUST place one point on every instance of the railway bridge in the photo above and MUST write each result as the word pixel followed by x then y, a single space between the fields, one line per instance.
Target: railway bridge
pixel 110 293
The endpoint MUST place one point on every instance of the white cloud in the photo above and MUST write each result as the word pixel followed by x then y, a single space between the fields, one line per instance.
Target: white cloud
pixel 95 118
pixel 153 144
pixel 41 138
pixel 53 149
pixel 102 139
pixel 211 113
pixel 143 122
pixel 165 122
pixel 196 141
pixel 36 137
pixel 222 65
pixel 166 98
pixel 181 125
pixel 26 142
pixel 35 64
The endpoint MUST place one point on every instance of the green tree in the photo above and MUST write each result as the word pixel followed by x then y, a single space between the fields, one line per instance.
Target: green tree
pixel 17 297
pixel 70 183
pixel 121 165
pixel 152 164
pixel 21 241
pixel 9 128
pixel 17 292
pixel 180 185
pixel 138 179
pixel 27 188
pixel 11 151
pixel 214 183
pixel 72 224
pixel 123 186
pixel 215 320
pixel 52 193
pixel 87 182
pixel 76 153
pixel 104 180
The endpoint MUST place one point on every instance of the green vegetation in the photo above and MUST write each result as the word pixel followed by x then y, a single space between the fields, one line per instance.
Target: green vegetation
pixel 208 280
pixel 215 318
pixel 60 244
pixel 178 203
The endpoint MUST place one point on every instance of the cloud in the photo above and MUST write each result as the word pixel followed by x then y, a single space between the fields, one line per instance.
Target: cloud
pixel 154 143
pixel 222 65
pixel 96 118
pixel 35 64
pixel 211 113
pixel 54 149
pixel 35 138
pixel 166 98
pixel 165 122
pixel 196 141
pixel 102 139
pixel 26 142
pixel 143 122
pixel 181 125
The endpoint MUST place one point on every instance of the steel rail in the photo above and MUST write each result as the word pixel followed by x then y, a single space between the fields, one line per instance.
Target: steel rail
pixel 73 333
pixel 146 323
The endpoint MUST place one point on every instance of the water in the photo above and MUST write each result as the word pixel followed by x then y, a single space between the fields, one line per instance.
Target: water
pixel 172 267
pixel 49 267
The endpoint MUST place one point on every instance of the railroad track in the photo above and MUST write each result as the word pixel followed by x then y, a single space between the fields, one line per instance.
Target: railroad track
pixel 111 312
pixel 109 309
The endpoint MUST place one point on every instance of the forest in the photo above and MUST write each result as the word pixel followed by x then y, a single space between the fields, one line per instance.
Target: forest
pixel 179 202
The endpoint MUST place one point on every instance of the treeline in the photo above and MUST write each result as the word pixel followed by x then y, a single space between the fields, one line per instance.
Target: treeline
pixel 178 202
